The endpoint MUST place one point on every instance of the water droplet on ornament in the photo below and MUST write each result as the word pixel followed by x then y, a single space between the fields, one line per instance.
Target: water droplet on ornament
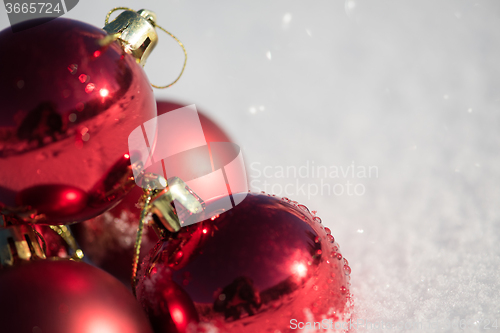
pixel 343 290
pixel 339 256
pixel 83 78
pixel 330 238
pixel 304 208
pixel 295 203
pixel 89 88
pixel 347 269
pixel 315 287
pixel 316 239
pixel 319 252
pixel 328 231
pixel 317 219
pixel 73 68
pixel 346 262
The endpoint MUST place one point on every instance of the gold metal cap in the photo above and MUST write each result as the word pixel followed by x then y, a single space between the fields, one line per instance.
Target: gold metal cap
pixel 19 243
pixel 136 31
pixel 162 204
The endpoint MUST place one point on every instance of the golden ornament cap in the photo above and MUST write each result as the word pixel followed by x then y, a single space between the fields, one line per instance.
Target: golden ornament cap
pixel 19 243
pixel 136 32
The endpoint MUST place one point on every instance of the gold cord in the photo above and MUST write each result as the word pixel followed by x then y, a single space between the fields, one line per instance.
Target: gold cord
pixel 43 241
pixel 106 21
pixel 185 59
pixel 147 196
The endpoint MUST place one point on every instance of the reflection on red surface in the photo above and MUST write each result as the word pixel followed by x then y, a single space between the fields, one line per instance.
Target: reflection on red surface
pixel 299 268
pixel 54 200
pixel 178 316
pixel 104 92
pixel 70 195
pixel 258 265
pixel 65 296
pixel 171 308
pixel 46 97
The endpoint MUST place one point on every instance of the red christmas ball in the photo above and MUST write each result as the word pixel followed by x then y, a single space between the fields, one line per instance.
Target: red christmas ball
pixel 173 311
pixel 66 297
pixel 68 105
pixel 252 268
pixel 213 132
pixel 108 240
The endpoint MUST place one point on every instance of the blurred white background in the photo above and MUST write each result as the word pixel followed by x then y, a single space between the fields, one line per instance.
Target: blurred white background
pixel 409 88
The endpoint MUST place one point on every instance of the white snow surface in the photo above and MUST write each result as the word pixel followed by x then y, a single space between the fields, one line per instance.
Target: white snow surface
pixel 409 88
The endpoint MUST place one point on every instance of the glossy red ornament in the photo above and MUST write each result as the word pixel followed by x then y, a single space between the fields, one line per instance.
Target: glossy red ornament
pixel 66 297
pixel 108 240
pixel 68 105
pixel 251 269
pixel 171 308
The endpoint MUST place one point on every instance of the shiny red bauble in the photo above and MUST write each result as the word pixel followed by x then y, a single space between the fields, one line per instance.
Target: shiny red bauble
pixel 108 240
pixel 66 297
pixel 213 132
pixel 252 268
pixel 67 106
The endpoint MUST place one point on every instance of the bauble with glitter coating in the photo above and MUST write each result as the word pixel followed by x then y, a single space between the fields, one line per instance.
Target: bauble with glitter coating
pixel 65 296
pixel 252 268
pixel 68 104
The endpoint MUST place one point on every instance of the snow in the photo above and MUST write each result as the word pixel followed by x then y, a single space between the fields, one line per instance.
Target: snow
pixel 409 87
